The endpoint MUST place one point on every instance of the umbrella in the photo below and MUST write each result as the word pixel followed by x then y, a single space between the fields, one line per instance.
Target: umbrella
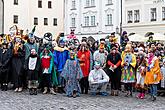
pixel 158 36
pixel 137 38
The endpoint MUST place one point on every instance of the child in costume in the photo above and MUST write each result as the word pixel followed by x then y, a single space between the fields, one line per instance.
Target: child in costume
pixel 141 71
pixel 32 65
pixel 153 74
pixel 72 74
pixel 47 66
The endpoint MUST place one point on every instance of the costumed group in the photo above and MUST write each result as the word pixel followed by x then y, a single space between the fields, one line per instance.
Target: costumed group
pixel 75 68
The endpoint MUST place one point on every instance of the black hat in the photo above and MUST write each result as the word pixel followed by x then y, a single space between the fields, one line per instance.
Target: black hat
pixel 113 33
pixel 102 39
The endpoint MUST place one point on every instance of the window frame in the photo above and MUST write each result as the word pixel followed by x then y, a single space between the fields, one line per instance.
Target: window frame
pixel 39 3
pixel 15 19
pixel 46 21
pixel 35 21
pixel 129 16
pixel 15 2
pixel 49 4
pixel 163 13
pixel 136 16
pixel 153 14
pixel 86 22
pixel 55 22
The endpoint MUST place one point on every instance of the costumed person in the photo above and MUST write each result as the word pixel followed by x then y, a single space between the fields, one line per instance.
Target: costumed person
pixel 128 69
pixel 32 66
pixel 98 80
pixel 101 55
pixel 162 84
pixel 18 60
pixel 153 74
pixel 141 72
pixel 114 69
pixel 29 45
pixel 5 58
pixel 84 58
pixel 61 54
pixel 47 67
pixel 72 74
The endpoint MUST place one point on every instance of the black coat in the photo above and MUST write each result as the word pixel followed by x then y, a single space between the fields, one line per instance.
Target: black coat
pixel 5 60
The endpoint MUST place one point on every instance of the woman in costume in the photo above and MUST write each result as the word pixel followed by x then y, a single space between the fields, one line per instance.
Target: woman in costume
pixel 84 58
pixel 153 74
pixel 72 74
pixel 18 64
pixel 128 69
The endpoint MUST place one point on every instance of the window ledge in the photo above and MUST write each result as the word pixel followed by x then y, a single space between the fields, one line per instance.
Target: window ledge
pixel 153 19
pixel 109 25
pixel 129 21
pixel 88 26
pixel 137 21
pixel 73 9
pixel 109 4
pixel 90 7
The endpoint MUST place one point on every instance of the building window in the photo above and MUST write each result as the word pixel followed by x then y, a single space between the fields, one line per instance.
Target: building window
pixel 15 2
pixel 130 18
pixel 87 3
pixel 136 16
pixel 39 3
pixel 49 4
pixel 93 21
pixel 45 21
pixel 73 22
pixel 73 4
pixel 35 21
pixel 55 21
pixel 163 13
pixel 153 14
pixel 87 21
pixel 109 19
pixel 15 19
pixel 109 2
pixel 92 2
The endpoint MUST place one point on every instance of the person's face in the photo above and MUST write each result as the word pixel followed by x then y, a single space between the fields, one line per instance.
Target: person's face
pixel 96 45
pixel 159 46
pixel 114 51
pixel 152 46
pixel 45 50
pixel 31 40
pixel 101 50
pixel 33 52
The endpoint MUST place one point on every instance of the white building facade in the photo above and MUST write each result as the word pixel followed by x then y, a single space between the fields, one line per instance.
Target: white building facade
pixel 96 18
pixel 46 15
pixel 144 16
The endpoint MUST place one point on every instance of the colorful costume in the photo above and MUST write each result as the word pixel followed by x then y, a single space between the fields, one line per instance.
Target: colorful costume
pixel 72 74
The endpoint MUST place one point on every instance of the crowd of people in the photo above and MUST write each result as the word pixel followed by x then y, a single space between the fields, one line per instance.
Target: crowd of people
pixel 77 67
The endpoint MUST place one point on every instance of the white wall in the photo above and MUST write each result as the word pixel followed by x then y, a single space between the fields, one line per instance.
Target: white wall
pixel 28 9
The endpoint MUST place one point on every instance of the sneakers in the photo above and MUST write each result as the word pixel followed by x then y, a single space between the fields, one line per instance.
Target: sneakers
pixel 52 91
pixel 142 96
pixel 45 90
pixel 16 90
pixel 104 94
pixel 20 89
pixel 139 95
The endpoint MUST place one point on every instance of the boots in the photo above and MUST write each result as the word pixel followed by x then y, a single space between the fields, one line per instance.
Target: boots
pixel 45 90
pixel 74 94
pixel 35 91
pixel 139 95
pixel 20 89
pixel 52 91
pixel 142 96
pixel 112 93
pixel 31 91
pixel 153 98
pixel 116 93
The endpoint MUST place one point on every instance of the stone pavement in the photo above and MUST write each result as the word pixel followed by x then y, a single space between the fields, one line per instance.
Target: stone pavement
pixel 23 101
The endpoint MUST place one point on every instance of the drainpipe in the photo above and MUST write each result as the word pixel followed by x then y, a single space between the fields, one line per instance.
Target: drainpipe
pixel 3 16
pixel 121 17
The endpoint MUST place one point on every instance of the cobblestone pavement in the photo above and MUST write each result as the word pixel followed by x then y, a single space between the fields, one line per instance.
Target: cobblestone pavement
pixel 23 101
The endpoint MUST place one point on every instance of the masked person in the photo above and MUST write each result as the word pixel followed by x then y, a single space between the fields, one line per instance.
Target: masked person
pixel 18 60
pixel 153 74
pixel 84 58
pixel 47 66
pixel 114 69
pixel 128 69
pixel 32 66
pixel 5 58
pixel 72 74
pixel 98 80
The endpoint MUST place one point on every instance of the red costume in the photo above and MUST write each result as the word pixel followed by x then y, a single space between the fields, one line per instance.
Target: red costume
pixel 84 58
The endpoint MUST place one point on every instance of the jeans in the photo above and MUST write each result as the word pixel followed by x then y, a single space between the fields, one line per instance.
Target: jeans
pixel 99 87
pixel 153 89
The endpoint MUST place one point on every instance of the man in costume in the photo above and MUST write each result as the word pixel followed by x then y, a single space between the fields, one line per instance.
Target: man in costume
pixel 61 54
pixel 114 69
pixel 98 80
pixel 5 58
pixel 72 73
pixel 101 55
pixel 84 58
pixel 18 63
pixel 128 69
